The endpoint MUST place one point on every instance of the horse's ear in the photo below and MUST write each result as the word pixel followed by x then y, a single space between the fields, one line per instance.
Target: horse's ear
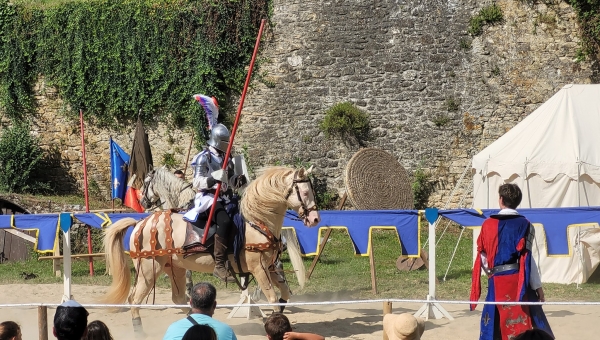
pixel 309 171
pixel 301 173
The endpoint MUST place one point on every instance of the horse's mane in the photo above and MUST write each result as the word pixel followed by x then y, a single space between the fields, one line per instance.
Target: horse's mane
pixel 171 188
pixel 265 194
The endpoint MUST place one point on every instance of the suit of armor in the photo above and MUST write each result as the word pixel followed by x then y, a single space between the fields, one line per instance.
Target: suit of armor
pixel 208 172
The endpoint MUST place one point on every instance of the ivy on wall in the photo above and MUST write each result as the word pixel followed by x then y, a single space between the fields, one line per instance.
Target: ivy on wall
pixel 588 12
pixel 112 58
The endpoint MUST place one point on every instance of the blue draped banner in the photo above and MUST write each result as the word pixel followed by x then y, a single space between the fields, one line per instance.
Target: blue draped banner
pixel 358 223
pixel 555 221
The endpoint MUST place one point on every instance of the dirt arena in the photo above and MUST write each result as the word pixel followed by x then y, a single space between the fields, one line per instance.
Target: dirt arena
pixel 361 321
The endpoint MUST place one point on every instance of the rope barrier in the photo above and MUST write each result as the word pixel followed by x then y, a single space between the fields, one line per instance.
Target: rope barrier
pixel 319 303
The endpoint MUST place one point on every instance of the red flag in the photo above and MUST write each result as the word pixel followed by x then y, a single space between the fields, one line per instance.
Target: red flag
pixel 132 197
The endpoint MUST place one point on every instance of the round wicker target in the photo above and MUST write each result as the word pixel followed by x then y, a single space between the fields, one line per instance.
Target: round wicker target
pixel 375 180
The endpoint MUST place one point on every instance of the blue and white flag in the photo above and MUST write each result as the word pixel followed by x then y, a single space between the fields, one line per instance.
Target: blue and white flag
pixel 119 160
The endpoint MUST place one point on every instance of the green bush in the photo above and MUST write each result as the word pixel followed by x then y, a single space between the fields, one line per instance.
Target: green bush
pixel 20 160
pixel 345 120
pixel 487 15
pixel 422 187
pixel 169 160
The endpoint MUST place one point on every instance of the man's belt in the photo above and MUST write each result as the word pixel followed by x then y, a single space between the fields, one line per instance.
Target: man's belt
pixel 504 267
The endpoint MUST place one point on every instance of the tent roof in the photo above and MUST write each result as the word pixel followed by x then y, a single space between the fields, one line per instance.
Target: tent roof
pixel 562 136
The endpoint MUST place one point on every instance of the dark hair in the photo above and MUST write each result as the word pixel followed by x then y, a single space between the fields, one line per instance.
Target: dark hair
pixel 97 330
pixel 178 172
pixel 70 322
pixel 9 330
pixel 534 334
pixel 200 332
pixel 511 195
pixel 277 325
pixel 204 296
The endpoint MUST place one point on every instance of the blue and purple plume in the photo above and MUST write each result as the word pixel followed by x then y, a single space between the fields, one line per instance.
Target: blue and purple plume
pixel 211 107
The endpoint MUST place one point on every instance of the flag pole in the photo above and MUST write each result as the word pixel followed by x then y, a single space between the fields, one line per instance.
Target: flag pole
pixel 234 129
pixel 85 190
pixel 188 155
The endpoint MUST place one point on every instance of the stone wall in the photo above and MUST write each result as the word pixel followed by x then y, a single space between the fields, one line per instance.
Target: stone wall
pixel 407 64
pixel 434 94
pixel 59 135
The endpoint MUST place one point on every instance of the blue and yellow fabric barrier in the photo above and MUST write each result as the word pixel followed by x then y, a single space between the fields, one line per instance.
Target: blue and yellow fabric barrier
pixel 358 223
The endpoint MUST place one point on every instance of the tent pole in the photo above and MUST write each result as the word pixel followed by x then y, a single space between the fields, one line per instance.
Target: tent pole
pixel 581 264
pixel 486 178
pixel 578 176
pixel 527 183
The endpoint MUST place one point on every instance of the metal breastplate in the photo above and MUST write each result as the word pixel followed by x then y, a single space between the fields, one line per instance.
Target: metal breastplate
pixel 206 164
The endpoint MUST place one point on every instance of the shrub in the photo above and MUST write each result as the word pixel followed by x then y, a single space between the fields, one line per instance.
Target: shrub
pixel 441 120
pixel 452 104
pixel 169 160
pixel 347 121
pixel 20 160
pixel 487 15
pixel 422 187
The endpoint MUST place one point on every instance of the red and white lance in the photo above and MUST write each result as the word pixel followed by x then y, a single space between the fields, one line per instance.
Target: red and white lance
pixel 234 129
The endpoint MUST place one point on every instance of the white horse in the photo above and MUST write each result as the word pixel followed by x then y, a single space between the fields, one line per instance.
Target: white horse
pixel 156 241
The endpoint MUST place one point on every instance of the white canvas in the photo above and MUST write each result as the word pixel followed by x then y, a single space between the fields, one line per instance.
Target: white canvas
pixel 554 157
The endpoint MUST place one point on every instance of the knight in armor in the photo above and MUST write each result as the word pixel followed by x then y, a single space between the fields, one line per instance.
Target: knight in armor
pixel 208 172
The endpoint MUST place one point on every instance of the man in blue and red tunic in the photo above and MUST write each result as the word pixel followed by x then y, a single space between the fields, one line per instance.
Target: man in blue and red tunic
pixel 504 254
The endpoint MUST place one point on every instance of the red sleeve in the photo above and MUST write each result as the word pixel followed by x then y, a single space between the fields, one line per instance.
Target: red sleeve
pixel 476 274
pixel 486 242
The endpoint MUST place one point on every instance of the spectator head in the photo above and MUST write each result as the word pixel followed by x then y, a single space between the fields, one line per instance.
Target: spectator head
pixel 534 334
pixel 200 332
pixel 276 326
pixel 10 330
pixel 97 330
pixel 204 298
pixel 403 326
pixel 510 195
pixel 179 174
pixel 70 321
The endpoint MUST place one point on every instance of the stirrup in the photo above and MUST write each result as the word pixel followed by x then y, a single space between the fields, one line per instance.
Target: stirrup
pixel 228 277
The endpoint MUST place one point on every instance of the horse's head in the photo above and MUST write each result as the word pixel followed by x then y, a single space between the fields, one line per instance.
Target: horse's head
pixel 303 202
pixel 149 196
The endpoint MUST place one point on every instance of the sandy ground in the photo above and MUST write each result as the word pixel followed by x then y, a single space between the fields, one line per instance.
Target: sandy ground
pixel 361 321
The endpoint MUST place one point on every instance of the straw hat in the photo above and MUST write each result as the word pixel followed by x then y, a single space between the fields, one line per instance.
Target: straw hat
pixel 403 326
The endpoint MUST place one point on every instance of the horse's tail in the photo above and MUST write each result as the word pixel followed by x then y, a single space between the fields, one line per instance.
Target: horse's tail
pixel 295 256
pixel 116 262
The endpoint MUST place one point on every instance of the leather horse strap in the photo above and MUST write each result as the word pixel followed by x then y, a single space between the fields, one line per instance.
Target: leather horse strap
pixel 153 252
pixel 273 242
pixel 169 248
pixel 134 254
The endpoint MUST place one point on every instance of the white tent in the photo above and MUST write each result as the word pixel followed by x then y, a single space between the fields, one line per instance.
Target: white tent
pixel 554 157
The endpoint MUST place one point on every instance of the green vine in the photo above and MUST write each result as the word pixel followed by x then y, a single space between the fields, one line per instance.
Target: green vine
pixel 588 13
pixel 113 58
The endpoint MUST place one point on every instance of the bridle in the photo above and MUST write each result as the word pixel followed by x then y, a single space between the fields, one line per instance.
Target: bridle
pixel 304 210
pixel 147 183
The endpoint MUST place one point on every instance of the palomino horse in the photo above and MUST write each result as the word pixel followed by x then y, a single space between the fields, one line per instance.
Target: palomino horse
pixel 157 248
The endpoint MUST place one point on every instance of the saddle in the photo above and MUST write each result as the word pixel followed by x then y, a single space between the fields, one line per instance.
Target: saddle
pixel 193 238
pixel 195 231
